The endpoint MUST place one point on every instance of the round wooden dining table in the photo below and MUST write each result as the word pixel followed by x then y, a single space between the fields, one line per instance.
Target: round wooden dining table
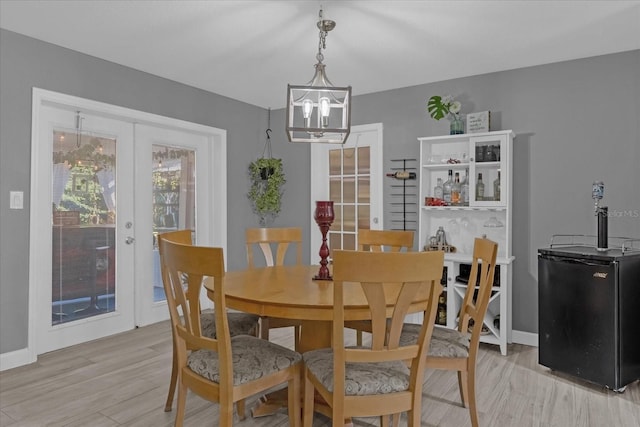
pixel 291 292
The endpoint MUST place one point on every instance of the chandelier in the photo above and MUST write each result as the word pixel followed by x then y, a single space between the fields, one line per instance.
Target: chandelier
pixel 319 111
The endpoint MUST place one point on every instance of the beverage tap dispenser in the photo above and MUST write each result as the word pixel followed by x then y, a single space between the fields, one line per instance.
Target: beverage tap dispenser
pixel 602 212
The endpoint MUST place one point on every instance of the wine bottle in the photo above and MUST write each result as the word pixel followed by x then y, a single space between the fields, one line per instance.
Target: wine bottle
pixel 402 175
pixel 496 188
pixel 479 188
pixel 446 188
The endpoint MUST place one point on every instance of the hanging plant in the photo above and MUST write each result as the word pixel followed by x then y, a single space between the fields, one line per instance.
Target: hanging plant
pixel 266 194
pixel 267 178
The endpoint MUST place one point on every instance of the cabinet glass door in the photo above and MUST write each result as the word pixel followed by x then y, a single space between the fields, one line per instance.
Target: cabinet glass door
pixel 487 171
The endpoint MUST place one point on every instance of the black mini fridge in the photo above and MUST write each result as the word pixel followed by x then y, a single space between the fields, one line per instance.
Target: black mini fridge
pixel 589 313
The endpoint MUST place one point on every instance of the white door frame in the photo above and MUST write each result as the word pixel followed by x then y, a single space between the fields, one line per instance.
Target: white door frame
pixel 320 188
pixel 215 234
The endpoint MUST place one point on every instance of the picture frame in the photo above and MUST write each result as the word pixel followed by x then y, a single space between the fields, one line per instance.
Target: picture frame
pixel 478 122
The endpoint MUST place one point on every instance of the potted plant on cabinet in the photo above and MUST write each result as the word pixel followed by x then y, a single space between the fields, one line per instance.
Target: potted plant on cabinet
pixel 442 106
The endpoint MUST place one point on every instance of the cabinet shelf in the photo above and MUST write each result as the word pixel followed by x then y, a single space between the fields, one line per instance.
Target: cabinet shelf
pixel 465 208
pixel 464 223
pixel 487 165
pixel 444 166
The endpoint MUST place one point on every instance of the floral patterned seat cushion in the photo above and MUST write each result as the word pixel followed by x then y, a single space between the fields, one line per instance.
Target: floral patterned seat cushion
pixel 253 358
pixel 444 342
pixel 239 323
pixel 361 378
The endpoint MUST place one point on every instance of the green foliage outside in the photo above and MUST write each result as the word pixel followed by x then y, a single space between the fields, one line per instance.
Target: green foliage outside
pixel 85 197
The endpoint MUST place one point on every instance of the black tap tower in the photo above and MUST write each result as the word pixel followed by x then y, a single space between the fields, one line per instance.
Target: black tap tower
pixel 602 212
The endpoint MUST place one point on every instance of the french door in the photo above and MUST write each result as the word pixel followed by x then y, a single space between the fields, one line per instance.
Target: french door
pixel 351 176
pixel 176 164
pixel 105 182
pixel 86 221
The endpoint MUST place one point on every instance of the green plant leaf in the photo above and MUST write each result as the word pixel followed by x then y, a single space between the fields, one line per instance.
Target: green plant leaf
pixel 436 108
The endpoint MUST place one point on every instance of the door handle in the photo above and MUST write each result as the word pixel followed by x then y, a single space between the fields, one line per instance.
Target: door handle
pixel 129 240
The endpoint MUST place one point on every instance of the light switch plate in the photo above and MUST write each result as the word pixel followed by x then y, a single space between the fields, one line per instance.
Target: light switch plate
pixel 16 200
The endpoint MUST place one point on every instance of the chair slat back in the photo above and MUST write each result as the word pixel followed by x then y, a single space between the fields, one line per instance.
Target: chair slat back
pixel 191 265
pixel 178 236
pixel 183 237
pixel 280 238
pixel 391 281
pixel 385 240
pixel 476 298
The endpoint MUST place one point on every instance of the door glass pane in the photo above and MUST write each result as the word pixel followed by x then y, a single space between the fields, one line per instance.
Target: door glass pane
pixel 335 188
pixel 335 162
pixel 349 218
pixel 349 189
pixel 364 162
pixel 349 161
pixel 174 207
pixel 364 217
pixel 83 221
pixel 364 194
pixel 337 221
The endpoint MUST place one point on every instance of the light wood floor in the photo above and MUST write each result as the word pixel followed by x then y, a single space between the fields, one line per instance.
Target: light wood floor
pixel 99 384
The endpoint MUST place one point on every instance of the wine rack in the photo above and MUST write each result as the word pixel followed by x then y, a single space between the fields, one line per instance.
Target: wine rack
pixel 403 206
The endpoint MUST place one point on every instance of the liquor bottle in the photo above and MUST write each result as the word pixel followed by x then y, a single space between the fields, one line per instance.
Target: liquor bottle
pixel 437 191
pixel 496 188
pixel 446 188
pixel 442 309
pixel 464 192
pixel 479 188
pixel 402 175
pixel 455 190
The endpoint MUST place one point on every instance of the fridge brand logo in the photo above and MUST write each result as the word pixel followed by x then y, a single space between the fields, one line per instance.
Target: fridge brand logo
pixel 600 275
pixel 629 213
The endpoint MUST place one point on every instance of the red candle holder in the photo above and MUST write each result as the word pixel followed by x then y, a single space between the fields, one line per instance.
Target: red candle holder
pixel 324 217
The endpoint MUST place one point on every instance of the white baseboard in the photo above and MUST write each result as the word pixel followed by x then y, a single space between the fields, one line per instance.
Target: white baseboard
pixel 13 359
pixel 525 338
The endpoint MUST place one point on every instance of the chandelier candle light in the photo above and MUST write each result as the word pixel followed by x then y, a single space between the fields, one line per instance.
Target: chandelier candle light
pixel 318 111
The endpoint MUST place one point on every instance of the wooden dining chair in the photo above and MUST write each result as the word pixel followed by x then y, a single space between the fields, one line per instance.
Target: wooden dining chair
pixel 280 239
pixel 456 349
pixel 379 241
pixel 223 369
pixel 239 323
pixel 374 380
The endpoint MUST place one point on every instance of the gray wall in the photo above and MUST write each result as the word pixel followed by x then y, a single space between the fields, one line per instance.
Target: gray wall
pixel 575 122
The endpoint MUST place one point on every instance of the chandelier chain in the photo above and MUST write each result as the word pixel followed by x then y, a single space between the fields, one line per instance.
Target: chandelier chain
pixel 322 42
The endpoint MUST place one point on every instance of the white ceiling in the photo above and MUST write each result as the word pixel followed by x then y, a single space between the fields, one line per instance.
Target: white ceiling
pixel 251 50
